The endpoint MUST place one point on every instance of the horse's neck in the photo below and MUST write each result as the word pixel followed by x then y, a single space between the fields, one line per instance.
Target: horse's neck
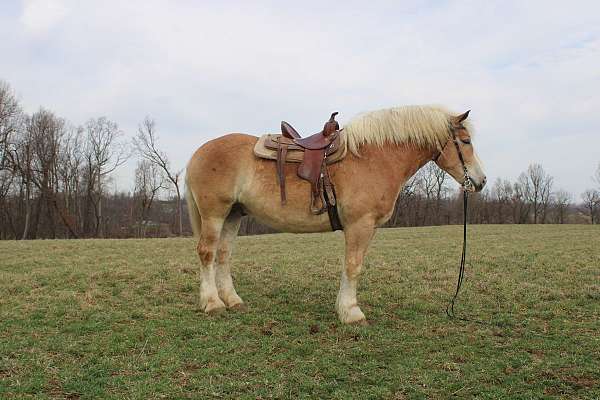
pixel 382 171
pixel 394 163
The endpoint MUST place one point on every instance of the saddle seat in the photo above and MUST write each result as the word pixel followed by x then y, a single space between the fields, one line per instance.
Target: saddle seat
pixel 313 153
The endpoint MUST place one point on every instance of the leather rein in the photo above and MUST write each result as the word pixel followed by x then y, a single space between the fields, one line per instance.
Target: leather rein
pixel 466 185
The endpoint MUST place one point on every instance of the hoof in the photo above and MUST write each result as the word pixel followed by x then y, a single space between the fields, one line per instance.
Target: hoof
pixel 239 307
pixel 360 322
pixel 215 311
pixel 214 308
pixel 352 315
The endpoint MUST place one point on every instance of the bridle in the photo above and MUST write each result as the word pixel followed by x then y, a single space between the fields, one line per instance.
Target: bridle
pixel 467 185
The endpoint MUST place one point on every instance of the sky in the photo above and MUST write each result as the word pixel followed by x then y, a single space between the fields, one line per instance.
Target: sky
pixel 529 71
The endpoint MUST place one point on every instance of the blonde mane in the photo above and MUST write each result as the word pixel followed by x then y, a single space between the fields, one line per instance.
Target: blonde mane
pixel 418 126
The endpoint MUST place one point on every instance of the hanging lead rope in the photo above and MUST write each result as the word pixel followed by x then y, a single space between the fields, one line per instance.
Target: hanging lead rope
pixel 467 185
pixel 450 307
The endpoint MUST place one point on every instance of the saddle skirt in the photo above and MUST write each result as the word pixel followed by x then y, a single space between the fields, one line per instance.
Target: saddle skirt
pixel 267 145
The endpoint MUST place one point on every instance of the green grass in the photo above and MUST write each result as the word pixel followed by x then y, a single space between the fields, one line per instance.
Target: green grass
pixel 120 318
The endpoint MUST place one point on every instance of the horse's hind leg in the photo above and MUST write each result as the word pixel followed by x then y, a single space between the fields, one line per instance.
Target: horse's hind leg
pixel 207 248
pixel 225 287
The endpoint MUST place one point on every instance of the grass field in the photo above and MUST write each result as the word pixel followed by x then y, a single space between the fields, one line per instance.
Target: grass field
pixel 120 318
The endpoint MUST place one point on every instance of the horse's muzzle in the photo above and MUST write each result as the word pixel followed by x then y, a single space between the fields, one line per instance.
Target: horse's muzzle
pixel 478 186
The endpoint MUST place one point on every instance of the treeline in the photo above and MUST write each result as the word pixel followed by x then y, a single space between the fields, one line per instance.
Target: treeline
pixel 54 180
pixel 430 198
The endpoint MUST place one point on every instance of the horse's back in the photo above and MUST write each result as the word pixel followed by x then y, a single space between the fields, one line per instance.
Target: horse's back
pixel 224 145
pixel 222 150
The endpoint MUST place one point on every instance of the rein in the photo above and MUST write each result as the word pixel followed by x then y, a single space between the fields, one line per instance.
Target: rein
pixel 466 185
pixel 461 272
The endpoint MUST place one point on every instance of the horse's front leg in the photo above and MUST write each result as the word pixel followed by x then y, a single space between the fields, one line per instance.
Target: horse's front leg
pixel 358 236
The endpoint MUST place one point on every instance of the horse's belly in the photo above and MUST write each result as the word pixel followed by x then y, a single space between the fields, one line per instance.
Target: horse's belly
pixel 261 199
pixel 284 223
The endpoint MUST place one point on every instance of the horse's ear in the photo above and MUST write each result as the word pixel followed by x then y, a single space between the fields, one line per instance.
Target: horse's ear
pixel 462 116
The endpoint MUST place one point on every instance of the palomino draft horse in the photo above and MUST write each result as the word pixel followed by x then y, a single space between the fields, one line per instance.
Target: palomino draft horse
pixel 225 180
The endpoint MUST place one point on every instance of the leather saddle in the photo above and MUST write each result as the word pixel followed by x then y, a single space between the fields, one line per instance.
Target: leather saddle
pixel 313 167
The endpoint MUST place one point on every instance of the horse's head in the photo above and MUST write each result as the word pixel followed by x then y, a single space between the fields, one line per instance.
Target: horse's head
pixel 457 156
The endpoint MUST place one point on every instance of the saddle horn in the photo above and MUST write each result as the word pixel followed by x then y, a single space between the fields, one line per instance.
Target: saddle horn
pixel 331 126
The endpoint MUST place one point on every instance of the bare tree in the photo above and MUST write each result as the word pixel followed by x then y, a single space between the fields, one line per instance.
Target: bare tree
pixel 537 188
pixel 22 162
pixel 146 145
pixel 10 121
pixel 104 153
pixel 70 169
pixel 440 190
pixel 46 131
pixel 520 203
pixel 149 180
pixel 502 193
pixel 479 210
pixel 541 183
pixel 7 178
pixel 426 183
pixel 591 203
pixel 562 200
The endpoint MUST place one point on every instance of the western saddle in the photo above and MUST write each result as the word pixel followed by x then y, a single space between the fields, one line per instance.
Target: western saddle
pixel 316 153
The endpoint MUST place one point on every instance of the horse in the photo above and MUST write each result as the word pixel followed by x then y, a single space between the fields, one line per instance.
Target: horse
pixel 225 181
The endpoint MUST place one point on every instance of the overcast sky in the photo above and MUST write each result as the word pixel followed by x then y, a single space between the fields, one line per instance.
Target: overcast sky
pixel 529 71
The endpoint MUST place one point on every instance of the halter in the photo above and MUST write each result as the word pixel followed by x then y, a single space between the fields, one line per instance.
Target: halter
pixel 467 183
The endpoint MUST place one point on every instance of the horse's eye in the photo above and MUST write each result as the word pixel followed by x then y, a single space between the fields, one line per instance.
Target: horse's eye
pixel 466 141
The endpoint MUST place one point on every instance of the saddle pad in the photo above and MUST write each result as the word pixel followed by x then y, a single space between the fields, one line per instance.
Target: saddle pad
pixel 266 147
